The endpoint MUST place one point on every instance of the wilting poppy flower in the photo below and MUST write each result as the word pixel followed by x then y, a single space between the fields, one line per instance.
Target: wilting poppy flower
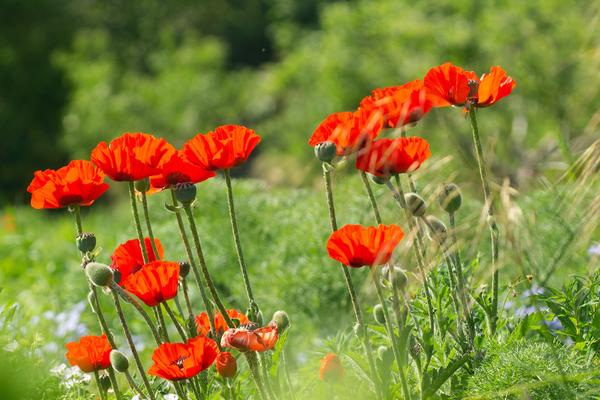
pixel 226 364
pixel 154 283
pixel 177 170
pixel 357 245
pixel 91 353
pixel 400 105
pixel 349 131
pixel 249 338
pixel 203 325
pixel 78 183
pixel 132 156
pixel 224 148
pixel 448 84
pixel 385 157
pixel 331 368
pixel 127 258
pixel 176 361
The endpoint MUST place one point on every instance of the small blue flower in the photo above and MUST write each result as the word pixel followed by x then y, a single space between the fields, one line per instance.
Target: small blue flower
pixel 594 250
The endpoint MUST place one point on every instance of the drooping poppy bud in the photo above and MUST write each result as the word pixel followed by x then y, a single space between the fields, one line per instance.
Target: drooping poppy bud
pixel 416 204
pixel 378 314
pixel 395 275
pixel 437 229
pixel 104 383
pixel 226 364
pixel 450 198
pixel 184 268
pixel 100 274
pixel 282 320
pixel 86 242
pixel 119 361
pixel 185 193
pixel 325 151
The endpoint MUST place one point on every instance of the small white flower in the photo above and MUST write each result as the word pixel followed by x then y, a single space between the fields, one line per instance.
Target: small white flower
pixel 171 397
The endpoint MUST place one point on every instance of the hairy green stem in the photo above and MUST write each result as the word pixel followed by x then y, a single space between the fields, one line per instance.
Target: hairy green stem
pixel 162 326
pixel 136 220
pixel 174 319
pixel 254 370
pixel 138 307
pixel 100 388
pixel 149 225
pixel 374 206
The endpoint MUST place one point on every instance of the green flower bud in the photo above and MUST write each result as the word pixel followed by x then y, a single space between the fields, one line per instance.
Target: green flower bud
pixel 416 205
pixel 104 383
pixel 282 320
pixel 437 230
pixel 99 274
pixel 397 274
pixel 185 193
pixel 325 151
pixel 450 198
pixel 119 361
pixel 378 314
pixel 86 242
pixel 143 185
pixel 184 268
pixel 380 180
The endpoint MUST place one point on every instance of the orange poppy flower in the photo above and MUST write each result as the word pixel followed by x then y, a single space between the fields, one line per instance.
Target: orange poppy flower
pixel 90 353
pixel 385 157
pixel 331 368
pixel 127 258
pixel 132 156
pixel 224 148
pixel 79 182
pixel 177 361
pixel 249 338
pixel 226 364
pixel 177 170
pixel 451 85
pixel 203 325
pixel 349 131
pixel 357 245
pixel 154 283
pixel 400 105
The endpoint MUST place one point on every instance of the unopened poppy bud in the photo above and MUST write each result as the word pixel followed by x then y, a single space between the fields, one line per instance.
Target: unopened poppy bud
pixel 325 151
pixel 99 274
pixel 86 242
pixel 226 364
pixel 184 268
pixel 416 205
pixel 450 198
pixel 104 383
pixel 378 314
pixel 380 180
pixel 143 185
pixel 437 230
pixel 119 361
pixel 281 320
pixel 397 274
pixel 185 192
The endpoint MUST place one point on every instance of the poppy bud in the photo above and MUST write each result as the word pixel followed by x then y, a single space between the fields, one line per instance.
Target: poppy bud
pixel 325 151
pixel 99 274
pixel 437 229
pixel 185 193
pixel 450 198
pixel 119 361
pixel 331 368
pixel 281 320
pixel 86 242
pixel 397 274
pixel 416 204
pixel 226 364
pixel 378 314
pixel 380 180
pixel 184 268
pixel 143 185
pixel 104 383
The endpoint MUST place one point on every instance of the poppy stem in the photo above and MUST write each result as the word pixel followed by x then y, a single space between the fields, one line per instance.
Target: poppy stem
pixel 174 319
pixel 286 373
pixel 204 268
pixel 490 210
pixel 113 378
pixel 194 267
pixel 162 326
pixel 417 246
pixel 238 243
pixel 149 225
pixel 129 299
pixel 253 364
pixel 362 328
pixel 100 388
pixel 136 356
pixel 179 390
pixel 367 184
pixel 136 219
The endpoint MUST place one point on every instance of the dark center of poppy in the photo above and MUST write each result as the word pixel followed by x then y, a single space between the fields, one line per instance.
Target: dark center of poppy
pixel 177 177
pixel 179 361
pixel 473 88
pixel 70 199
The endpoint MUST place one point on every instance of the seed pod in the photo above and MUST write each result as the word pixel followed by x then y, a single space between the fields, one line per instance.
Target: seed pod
pixel 450 198
pixel 86 242
pixel 185 193
pixel 104 383
pixel 119 361
pixel 378 314
pixel 100 274
pixel 143 185
pixel 325 151
pixel 437 230
pixel 416 205
pixel 281 320
pixel 184 268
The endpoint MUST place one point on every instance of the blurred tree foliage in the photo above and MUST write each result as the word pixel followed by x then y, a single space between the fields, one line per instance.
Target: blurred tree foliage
pixel 281 66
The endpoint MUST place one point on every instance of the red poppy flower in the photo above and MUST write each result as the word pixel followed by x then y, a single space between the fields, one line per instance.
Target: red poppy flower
pixel 91 353
pixel 154 283
pixel 203 325
pixel 331 368
pixel 80 182
pixel 451 85
pixel 132 156
pixel 400 105
pixel 224 148
pixel 177 170
pixel 357 246
pixel 177 361
pixel 128 259
pixel 385 157
pixel 248 338
pixel 349 131
pixel 226 364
